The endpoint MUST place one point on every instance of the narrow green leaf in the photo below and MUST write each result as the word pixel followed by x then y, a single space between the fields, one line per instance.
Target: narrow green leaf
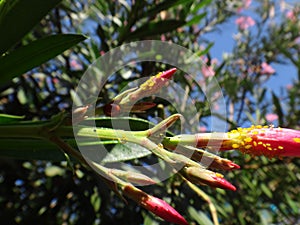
pixel 266 190
pixel 30 149
pixel 199 216
pixel 196 19
pixel 35 53
pixel 206 50
pixel 164 6
pixel 124 152
pixel 19 18
pixel 122 123
pixel 155 28
pixel 278 109
pixel 95 201
pixel 6 119
pixel 293 205
pixel 200 5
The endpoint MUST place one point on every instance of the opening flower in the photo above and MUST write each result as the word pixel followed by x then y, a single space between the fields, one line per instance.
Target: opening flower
pixel 256 140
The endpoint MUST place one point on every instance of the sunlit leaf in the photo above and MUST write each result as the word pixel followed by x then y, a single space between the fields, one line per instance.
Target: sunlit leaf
pixel 155 28
pixel 5 118
pixel 126 151
pixel 200 217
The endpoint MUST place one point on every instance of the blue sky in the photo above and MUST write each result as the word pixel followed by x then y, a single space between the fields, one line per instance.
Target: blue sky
pixel 224 42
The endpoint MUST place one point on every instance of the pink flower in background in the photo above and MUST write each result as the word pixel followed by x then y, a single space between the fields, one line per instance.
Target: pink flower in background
pixel 207 71
pixel 291 16
pixel 202 128
pixel 289 86
pixel 245 5
pixel 163 37
pixel 244 22
pixel 75 65
pixel 266 69
pixel 271 117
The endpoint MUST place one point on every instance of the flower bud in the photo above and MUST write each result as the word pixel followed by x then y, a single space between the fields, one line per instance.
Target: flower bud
pixel 155 205
pixel 133 177
pixel 202 176
pixel 149 87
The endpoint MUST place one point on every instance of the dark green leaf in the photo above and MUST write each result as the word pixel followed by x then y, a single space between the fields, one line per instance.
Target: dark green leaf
pixel 155 28
pixel 200 5
pixel 30 150
pixel 199 216
pixel 19 18
pixel 196 19
pixel 164 6
pixel 122 123
pixel 5 118
pixel 126 151
pixel 35 53
pixel 278 109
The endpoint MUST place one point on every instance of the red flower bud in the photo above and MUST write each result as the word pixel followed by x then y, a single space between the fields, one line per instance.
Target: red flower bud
pixel 202 176
pixel 157 206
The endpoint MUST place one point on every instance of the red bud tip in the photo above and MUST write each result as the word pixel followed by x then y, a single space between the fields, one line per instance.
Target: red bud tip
pixel 112 109
pixel 222 183
pixel 162 209
pixel 234 166
pixel 168 74
pixel 155 205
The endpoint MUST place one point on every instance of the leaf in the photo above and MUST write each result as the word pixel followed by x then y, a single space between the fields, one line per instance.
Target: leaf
pixel 35 53
pixel 5 118
pixel 266 190
pixel 122 123
pixel 53 170
pixel 198 6
pixel 124 152
pixel 19 17
pixel 199 216
pixel 30 150
pixel 278 109
pixel 196 19
pixel 95 201
pixel 155 28
pixel 164 6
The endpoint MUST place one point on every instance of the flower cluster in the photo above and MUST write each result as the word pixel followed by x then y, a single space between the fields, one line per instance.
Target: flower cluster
pixel 185 153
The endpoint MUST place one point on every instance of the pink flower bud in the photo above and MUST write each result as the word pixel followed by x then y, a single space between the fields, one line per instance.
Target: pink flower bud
pixel 149 87
pixel 79 114
pixel 202 176
pixel 155 205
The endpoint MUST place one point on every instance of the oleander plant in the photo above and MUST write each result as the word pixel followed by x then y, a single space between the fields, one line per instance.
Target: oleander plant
pixel 246 174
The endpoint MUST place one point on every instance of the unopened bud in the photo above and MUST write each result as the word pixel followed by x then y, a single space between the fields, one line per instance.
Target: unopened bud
pixel 155 205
